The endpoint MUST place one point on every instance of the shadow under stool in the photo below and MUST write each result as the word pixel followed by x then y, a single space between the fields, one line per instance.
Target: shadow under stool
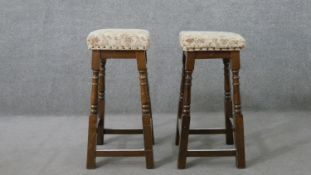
pixel 118 44
pixel 211 45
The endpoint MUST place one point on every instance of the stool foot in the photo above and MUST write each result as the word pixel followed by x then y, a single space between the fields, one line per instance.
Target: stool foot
pixel 241 165
pixel 91 147
pixel 239 142
pixel 181 165
pixel 183 145
pixel 91 166
pixel 100 141
pixel 229 141
pixel 149 160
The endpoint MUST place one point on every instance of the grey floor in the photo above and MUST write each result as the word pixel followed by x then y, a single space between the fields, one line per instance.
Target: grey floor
pixel 276 143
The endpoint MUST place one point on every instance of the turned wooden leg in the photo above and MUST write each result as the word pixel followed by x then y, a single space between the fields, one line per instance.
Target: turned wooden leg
pixel 238 117
pixel 91 147
pixel 185 123
pixel 149 101
pixel 145 105
pixel 180 104
pixel 228 103
pixel 101 102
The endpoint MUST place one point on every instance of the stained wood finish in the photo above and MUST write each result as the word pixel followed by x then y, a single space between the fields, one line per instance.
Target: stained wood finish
pixel 97 130
pixel 238 116
pixel 211 153
pixel 185 118
pixel 181 96
pixel 149 101
pixel 123 131
pixel 233 119
pixel 101 102
pixel 208 131
pixel 91 148
pixel 228 102
pixel 145 106
pixel 121 153
pixel 111 54
pixel 212 54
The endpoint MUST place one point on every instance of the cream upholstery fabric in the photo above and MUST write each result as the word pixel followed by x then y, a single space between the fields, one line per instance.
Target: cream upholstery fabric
pixel 118 39
pixel 207 40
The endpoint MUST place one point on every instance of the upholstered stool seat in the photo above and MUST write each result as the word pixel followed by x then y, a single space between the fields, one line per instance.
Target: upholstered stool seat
pixel 209 40
pixel 118 39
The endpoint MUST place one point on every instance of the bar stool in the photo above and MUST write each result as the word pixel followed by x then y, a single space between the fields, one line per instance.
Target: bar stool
pixel 113 44
pixel 209 45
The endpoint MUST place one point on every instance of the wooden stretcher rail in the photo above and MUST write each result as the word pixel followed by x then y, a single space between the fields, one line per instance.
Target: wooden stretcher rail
pixel 120 153
pixel 122 131
pixel 211 153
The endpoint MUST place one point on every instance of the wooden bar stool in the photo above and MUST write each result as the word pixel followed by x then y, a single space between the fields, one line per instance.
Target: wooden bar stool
pixel 113 44
pixel 209 45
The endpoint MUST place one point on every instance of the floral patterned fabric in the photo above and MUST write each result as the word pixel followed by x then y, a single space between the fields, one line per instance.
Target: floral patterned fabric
pixel 118 39
pixel 206 40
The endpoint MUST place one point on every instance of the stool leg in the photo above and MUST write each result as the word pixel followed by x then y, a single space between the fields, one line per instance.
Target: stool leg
pixel 146 113
pixel 228 103
pixel 149 101
pixel 180 104
pixel 238 117
pixel 91 147
pixel 185 123
pixel 101 102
